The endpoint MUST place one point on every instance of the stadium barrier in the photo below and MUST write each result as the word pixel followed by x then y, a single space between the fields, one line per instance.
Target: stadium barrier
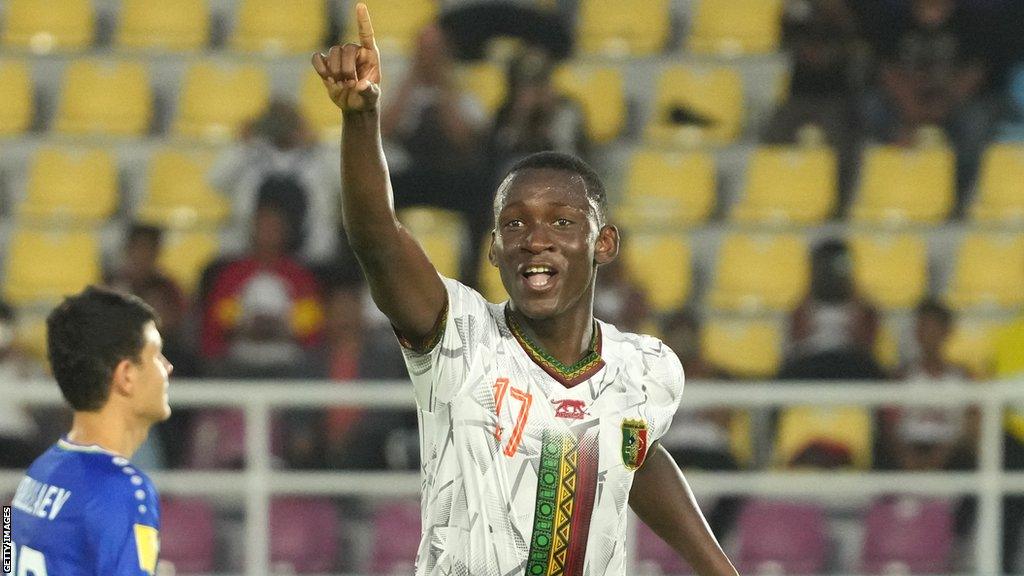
pixel 258 480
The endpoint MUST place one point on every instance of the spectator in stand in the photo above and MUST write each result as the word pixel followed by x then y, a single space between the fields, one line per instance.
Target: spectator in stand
pixel 832 333
pixel 1012 128
pixel 930 437
pixel 433 131
pixel 277 155
pixel 619 300
pixel 934 71
pixel 263 316
pixel 139 267
pixel 19 436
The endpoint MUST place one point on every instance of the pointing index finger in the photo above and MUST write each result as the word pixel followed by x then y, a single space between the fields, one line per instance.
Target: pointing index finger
pixel 365 27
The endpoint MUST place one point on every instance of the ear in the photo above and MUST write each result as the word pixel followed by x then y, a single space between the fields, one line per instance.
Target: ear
pixel 123 382
pixel 491 256
pixel 607 247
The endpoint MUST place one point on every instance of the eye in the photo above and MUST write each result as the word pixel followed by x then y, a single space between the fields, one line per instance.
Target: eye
pixel 563 222
pixel 514 223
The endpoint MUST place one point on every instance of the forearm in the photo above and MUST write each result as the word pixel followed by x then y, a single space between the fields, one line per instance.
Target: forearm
pixel 367 205
pixel 662 498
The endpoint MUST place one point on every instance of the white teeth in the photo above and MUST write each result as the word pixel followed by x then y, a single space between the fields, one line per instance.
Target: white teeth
pixel 537 270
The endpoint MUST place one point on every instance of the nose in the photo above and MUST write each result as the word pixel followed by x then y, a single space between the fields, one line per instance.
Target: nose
pixel 170 367
pixel 537 239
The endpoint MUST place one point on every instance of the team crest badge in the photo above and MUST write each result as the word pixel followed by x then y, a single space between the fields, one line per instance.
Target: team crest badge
pixel 634 443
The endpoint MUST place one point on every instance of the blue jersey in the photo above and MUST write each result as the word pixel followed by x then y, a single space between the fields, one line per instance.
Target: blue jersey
pixel 84 511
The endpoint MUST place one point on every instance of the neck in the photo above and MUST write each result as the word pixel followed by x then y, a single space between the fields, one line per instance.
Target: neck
pixel 110 431
pixel 566 337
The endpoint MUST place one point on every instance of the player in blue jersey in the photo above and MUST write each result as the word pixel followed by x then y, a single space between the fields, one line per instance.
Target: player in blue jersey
pixel 82 508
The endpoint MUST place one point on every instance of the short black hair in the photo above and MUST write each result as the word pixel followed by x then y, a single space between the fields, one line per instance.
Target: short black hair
pixel 146 232
pixel 88 335
pixel 569 163
pixel 936 309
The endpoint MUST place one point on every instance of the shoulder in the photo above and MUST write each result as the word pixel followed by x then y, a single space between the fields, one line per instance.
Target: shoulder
pixel 656 360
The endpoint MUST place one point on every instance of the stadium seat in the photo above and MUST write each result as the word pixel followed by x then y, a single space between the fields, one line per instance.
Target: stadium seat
pixel 621 28
pixel 788 185
pixel 44 266
pixel 782 538
pixel 42 28
pixel 661 265
pixel 440 232
pixel 158 25
pixel 989 272
pixel 743 348
pixel 304 535
pixel 735 27
pixel 186 253
pixel 886 350
pixel 668 189
pixel 323 116
pixel 695 105
pixel 273 27
pixel 654 556
pixel 760 271
pixel 1000 195
pixel 216 98
pixel 906 535
pixel 217 439
pixel 70 186
pixel 178 194
pixel 490 279
pixel 601 95
pixel 105 98
pixel 972 345
pixel 486 82
pixel 890 270
pixel 396 527
pixel 188 535
pixel 16 93
pixel 30 335
pixel 396 25
pixel 813 436
pixel 905 185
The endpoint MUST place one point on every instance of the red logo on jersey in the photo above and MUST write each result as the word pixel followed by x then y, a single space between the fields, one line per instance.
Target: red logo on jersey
pixel 572 409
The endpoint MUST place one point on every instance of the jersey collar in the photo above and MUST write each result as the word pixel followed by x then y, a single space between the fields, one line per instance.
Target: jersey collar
pixel 567 376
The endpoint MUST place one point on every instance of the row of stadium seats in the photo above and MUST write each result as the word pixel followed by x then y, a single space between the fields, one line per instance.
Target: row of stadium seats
pixel 272 27
pixel 901 535
pixel 101 96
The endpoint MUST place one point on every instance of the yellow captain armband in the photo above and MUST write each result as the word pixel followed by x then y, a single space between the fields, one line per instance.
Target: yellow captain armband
pixel 147 542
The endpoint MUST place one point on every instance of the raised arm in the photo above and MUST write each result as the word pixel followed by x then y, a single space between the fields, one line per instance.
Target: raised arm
pixel 661 498
pixel 403 282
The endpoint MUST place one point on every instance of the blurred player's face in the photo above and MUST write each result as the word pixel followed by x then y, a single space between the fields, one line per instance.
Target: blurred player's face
pixel 151 375
pixel 548 242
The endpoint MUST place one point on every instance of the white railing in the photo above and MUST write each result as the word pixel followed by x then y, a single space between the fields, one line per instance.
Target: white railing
pixel 258 481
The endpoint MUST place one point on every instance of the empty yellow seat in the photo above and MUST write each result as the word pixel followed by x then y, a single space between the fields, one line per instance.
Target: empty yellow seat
pixel 186 254
pixel 972 345
pixel 890 270
pixel 215 99
pixel 735 27
pixel 178 194
pixel 668 189
pixel 395 24
pixel 901 185
pixel 1000 193
pixel 440 232
pixel 760 272
pixel 274 27
pixel 601 95
pixel 16 95
pixel 743 348
pixel 697 105
pixel 989 272
pixel 30 336
pixel 323 116
pixel 661 265
pixel 46 265
pixel 103 97
pixel 179 26
pixel 486 82
pixel 71 186
pixel 840 429
pixel 45 27
pixel 623 27
pixel 788 184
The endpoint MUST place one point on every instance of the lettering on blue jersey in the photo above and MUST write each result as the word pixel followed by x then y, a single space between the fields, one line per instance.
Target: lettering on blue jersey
pixel 39 499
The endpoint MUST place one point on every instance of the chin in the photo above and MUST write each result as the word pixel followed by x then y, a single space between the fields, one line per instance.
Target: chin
pixel 536 308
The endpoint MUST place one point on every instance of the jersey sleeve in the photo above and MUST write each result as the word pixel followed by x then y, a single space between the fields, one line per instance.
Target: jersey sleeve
pixel 123 527
pixel 667 389
pixel 438 371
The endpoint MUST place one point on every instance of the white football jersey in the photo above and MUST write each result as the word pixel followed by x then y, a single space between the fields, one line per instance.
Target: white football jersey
pixel 527 463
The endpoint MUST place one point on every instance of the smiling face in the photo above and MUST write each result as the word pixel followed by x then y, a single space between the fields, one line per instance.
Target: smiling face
pixel 548 241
